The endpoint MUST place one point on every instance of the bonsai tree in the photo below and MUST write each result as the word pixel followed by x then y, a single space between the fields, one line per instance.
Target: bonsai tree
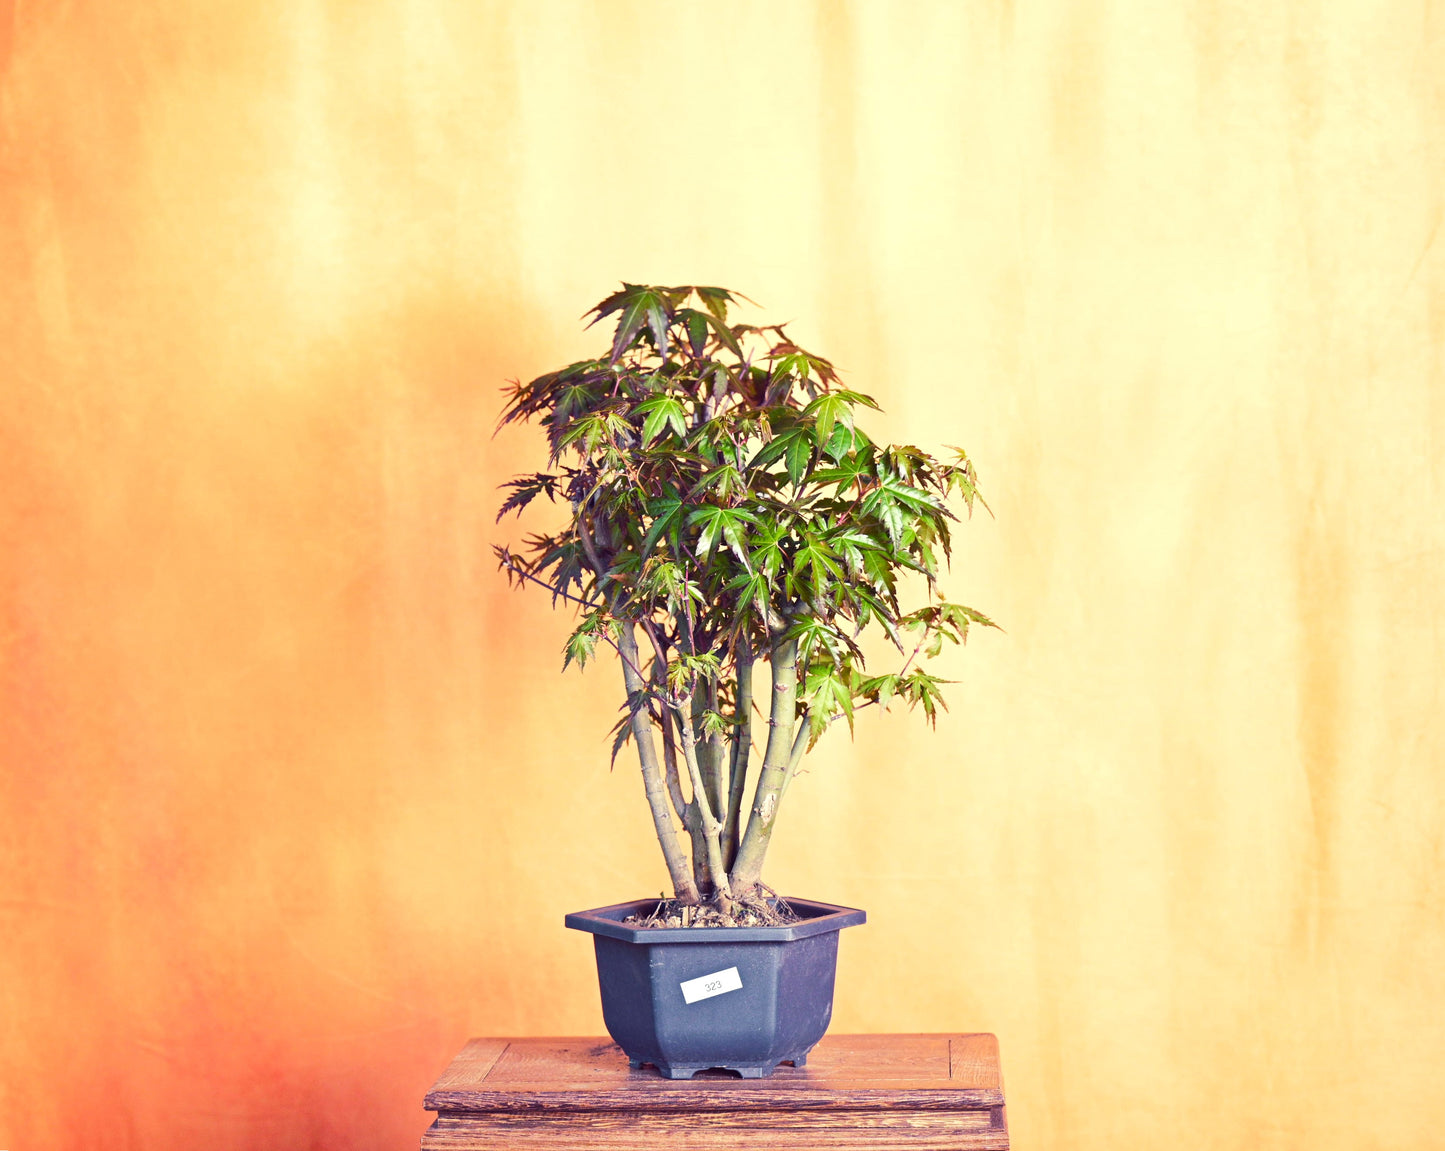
pixel 733 532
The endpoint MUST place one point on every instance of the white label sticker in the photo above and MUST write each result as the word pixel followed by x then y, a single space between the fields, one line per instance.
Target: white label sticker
pixel 706 986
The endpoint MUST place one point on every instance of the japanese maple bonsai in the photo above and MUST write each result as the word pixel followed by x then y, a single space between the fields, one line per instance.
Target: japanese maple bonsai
pixel 727 511
pixel 732 534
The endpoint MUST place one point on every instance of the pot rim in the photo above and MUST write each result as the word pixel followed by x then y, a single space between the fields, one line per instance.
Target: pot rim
pixel 817 919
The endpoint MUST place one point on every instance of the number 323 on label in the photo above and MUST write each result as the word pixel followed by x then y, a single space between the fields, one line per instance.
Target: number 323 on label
pixel 706 986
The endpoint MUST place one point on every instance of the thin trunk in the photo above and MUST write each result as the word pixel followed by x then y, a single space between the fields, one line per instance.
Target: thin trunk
pixel 711 824
pixel 748 868
pixel 687 812
pixel 669 758
pixel 800 748
pixel 653 782
pixel 742 744
pixel 718 750
pixel 701 871
pixel 709 750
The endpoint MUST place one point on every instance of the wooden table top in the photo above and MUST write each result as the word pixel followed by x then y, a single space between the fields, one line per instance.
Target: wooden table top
pixel 844 1072
pixel 873 1092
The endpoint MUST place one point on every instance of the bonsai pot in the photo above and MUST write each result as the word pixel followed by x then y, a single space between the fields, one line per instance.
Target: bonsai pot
pixel 744 999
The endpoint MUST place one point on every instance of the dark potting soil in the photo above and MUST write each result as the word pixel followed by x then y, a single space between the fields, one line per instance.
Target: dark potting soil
pixel 772 911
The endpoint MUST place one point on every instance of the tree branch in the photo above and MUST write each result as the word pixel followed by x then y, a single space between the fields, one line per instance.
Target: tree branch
pixel 556 591
pixel 800 748
pixel 748 867
pixel 584 603
pixel 687 810
pixel 653 783
pixel 742 741
pixel 711 825
pixel 669 756
pixel 709 748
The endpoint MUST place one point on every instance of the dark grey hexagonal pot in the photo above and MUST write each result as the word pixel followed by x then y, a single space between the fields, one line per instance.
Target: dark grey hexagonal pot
pixel 741 998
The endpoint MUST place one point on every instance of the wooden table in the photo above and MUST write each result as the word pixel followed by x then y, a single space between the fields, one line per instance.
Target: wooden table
pixel 881 1092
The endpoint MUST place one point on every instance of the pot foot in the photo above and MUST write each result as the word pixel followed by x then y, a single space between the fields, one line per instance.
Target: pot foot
pixel 688 1070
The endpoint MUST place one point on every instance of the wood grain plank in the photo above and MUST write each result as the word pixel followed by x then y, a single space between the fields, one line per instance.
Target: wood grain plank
pixel 740 1099
pixel 633 1125
pixel 973 1062
pixel 469 1069
pixel 577 1065
pixel 578 1062
pixel 878 1058
pixel 922 1132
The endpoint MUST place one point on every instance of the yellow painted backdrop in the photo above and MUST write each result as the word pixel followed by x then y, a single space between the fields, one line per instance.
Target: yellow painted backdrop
pixel 293 795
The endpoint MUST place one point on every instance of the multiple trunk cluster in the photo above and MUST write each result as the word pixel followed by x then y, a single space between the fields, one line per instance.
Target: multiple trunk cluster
pixel 726 857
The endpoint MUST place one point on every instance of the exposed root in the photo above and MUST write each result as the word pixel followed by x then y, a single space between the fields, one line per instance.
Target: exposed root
pixel 766 909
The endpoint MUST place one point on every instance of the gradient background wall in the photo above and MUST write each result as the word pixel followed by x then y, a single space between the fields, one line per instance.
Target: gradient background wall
pixel 294 796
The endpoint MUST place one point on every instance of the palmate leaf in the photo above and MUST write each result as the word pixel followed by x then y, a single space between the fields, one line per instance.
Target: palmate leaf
pixel 800 453
pixel 666 513
pixel 791 363
pixel 960 476
pixel 588 429
pixel 844 441
pixel 889 514
pixel 879 688
pixel 665 581
pixel 908 462
pixel 725 523
pixel 816 562
pixel 525 490
pixel 622 730
pixel 828 692
pixel 957 617
pixel 751 588
pixel 685 669
pixel 870 607
pixel 726 336
pixel 555 562
pixel 658 321
pixel 827 410
pixel 570 399
pixel 716 300
pixel 923 690
pixel 821 643
pixel 588 433
pixel 660 411
pixel 621 735
pixel 958 612
pixel 726 479
pixel 611 304
pixel 848 545
pixel 540 395
pixel 789 359
pixel 714 724
pixel 856 468
pixel 580 646
pixel 796 443
pixel 944 620
pixel 697 329
pixel 638 305
pixel 914 498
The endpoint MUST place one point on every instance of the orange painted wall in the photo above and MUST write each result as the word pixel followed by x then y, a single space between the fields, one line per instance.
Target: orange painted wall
pixel 293 796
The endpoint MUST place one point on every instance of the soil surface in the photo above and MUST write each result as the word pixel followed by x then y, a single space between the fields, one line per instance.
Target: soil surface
pixel 770 911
